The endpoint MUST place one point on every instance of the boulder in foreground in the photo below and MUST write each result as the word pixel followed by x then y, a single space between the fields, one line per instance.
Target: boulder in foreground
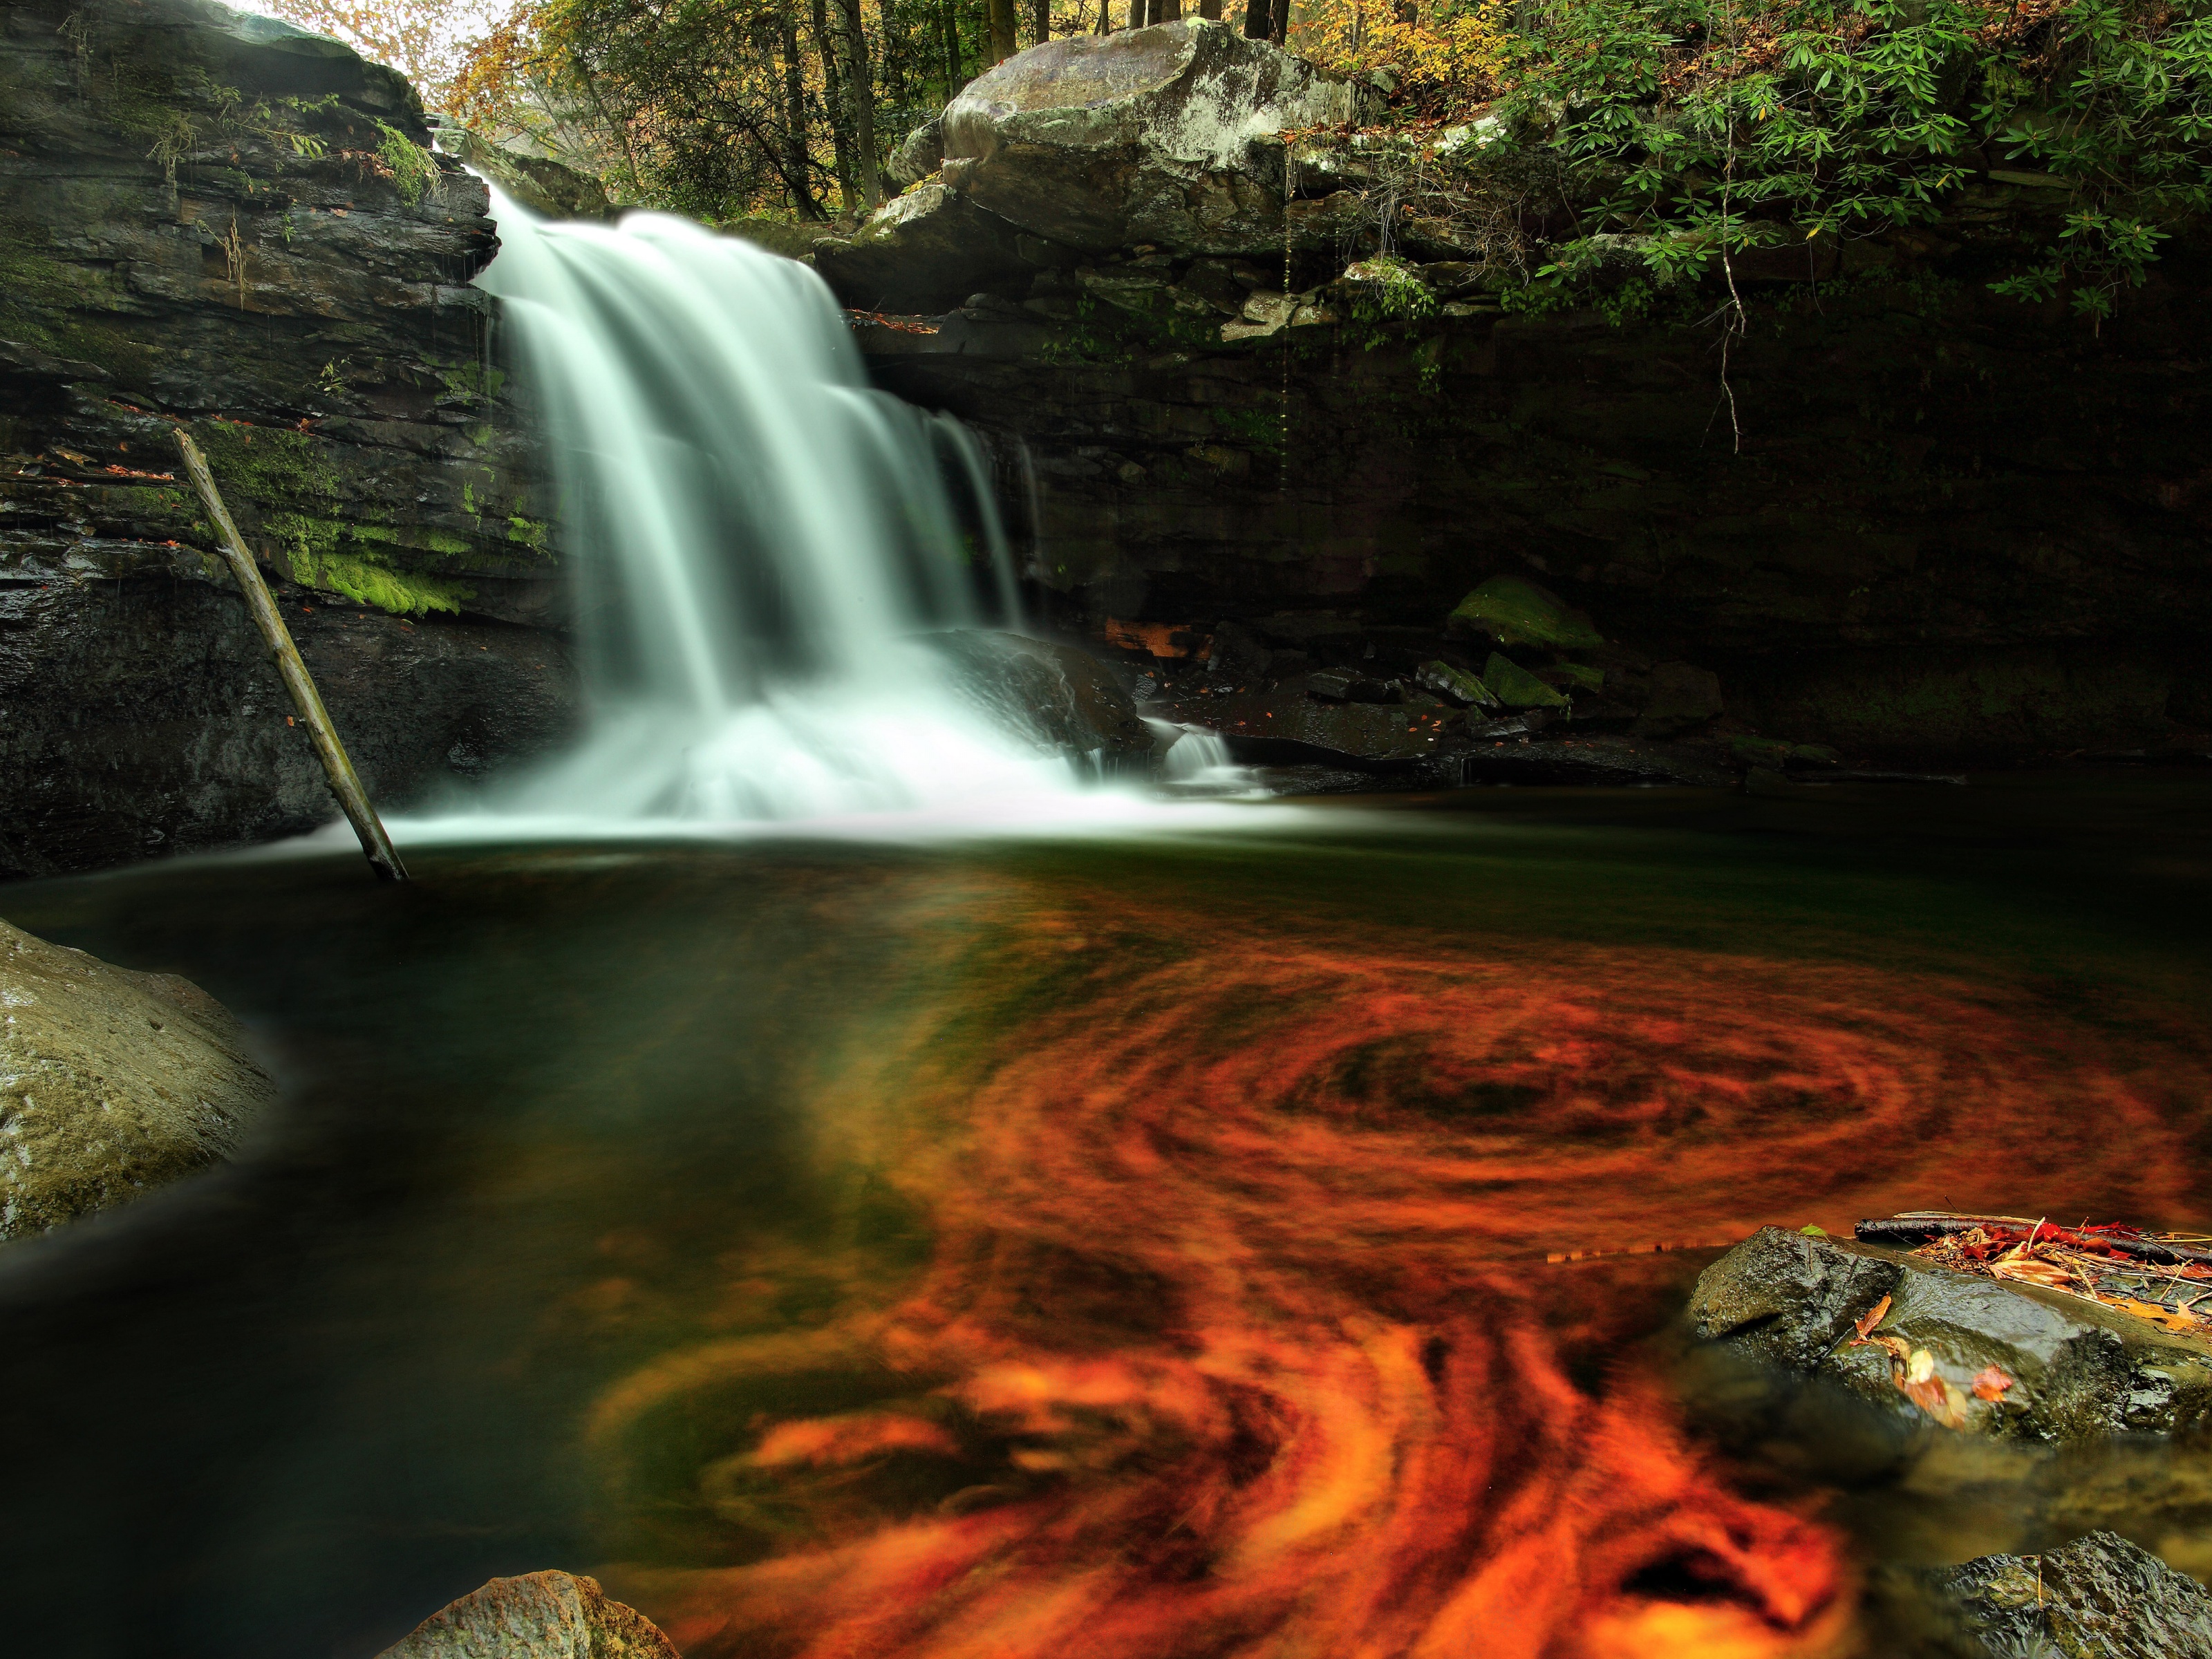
pixel 111 1082
pixel 539 1615
pixel 1988 1356
pixel 2098 1595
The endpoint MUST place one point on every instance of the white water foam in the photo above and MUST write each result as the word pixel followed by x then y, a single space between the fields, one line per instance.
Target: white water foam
pixel 759 538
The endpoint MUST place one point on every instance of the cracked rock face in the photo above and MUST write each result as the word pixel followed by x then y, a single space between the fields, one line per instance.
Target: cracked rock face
pixel 110 1083
pixel 2079 1371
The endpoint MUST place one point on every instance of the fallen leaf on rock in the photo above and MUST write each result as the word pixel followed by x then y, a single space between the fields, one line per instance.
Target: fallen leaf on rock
pixel 1873 1317
pixel 2032 1270
pixel 1991 1384
pixel 2167 1319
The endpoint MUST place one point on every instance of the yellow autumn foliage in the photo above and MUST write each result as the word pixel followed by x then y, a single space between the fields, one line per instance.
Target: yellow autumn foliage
pixel 1458 50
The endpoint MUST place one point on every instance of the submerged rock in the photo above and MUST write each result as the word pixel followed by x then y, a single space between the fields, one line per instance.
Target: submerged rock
pixel 1058 697
pixel 538 1615
pixel 111 1082
pixel 2066 1368
pixel 2099 1595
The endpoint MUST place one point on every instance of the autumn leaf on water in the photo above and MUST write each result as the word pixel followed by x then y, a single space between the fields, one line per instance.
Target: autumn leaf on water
pixel 1991 1384
pixel 1939 1399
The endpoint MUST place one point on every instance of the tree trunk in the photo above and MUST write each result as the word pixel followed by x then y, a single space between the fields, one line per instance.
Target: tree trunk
pixel 1210 9
pixel 799 163
pixel 1040 21
pixel 1259 18
pixel 860 87
pixel 835 109
pixel 833 102
pixel 1167 11
pixel 953 79
pixel 1003 44
pixel 1279 28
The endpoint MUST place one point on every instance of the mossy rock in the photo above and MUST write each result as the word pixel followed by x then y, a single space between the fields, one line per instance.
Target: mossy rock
pixel 1516 687
pixel 1516 612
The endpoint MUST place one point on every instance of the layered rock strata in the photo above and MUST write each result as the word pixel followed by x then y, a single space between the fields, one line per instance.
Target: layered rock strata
pixel 1898 515
pixel 213 221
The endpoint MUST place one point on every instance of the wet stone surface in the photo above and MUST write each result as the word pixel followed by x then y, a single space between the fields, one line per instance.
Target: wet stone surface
pixel 2078 1372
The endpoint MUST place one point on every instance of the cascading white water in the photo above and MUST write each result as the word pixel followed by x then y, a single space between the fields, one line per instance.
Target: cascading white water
pixel 759 533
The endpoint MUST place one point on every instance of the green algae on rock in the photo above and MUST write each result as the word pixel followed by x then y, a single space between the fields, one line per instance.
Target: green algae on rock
pixel 111 1082
pixel 1516 612
pixel 1516 687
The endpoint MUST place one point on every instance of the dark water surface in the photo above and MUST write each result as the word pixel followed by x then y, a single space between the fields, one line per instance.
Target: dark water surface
pixel 1126 1248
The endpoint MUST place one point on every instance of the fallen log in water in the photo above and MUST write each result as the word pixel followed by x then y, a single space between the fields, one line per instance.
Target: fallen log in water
pixel 345 782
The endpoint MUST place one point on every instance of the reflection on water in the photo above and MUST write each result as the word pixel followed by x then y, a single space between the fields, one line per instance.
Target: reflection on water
pixel 1136 1252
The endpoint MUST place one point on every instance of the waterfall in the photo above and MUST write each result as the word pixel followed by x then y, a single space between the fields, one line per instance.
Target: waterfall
pixel 759 536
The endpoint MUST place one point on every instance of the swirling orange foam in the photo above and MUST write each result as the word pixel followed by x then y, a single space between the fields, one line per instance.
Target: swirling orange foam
pixel 1229 1336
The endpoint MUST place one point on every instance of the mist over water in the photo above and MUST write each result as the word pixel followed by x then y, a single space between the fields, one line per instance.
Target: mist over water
pixel 759 538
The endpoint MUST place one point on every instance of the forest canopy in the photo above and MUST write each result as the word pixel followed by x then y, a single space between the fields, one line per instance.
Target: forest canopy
pixel 1690 128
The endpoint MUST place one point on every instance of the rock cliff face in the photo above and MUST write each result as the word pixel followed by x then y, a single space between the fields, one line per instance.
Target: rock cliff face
pixel 213 221
pixel 1910 520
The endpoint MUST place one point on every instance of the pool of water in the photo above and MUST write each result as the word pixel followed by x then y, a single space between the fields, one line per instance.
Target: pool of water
pixel 1136 1247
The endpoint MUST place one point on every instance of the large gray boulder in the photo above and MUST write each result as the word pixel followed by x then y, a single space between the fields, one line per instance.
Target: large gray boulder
pixel 2076 1370
pixel 1164 135
pixel 538 1615
pixel 111 1082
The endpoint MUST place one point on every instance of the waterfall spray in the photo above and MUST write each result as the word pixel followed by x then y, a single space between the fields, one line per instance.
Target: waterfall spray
pixel 760 536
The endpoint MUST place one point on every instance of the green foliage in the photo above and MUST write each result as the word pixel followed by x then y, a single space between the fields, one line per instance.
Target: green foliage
pixel 1707 129
pixel 414 169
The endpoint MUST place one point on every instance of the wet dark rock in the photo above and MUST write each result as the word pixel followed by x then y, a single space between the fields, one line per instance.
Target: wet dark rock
pixel 1682 697
pixel 143 716
pixel 112 1083
pixel 2099 1597
pixel 1602 760
pixel 1516 687
pixel 1286 726
pixel 1060 697
pixel 1455 686
pixel 1344 685
pixel 2079 1371
pixel 538 1615
pixel 267 278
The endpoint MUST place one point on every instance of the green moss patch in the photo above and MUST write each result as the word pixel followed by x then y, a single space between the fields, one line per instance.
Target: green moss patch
pixel 1515 613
